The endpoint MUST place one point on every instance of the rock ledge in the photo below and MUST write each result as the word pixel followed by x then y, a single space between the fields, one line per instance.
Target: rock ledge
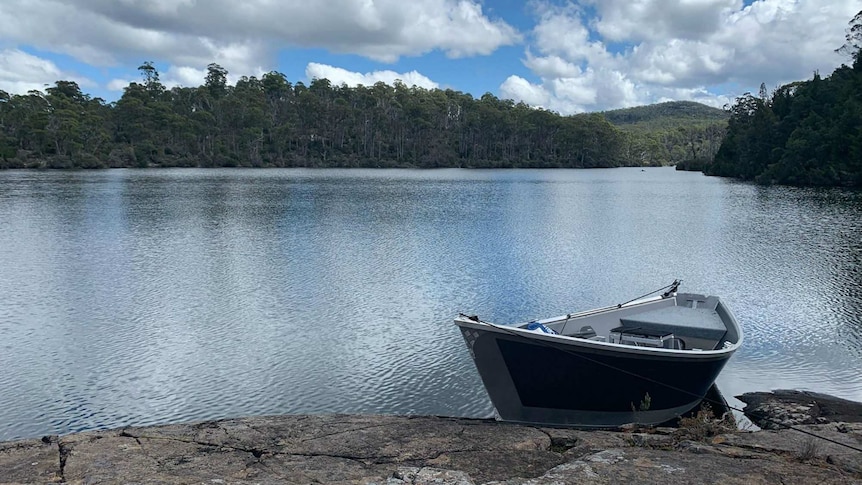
pixel 342 449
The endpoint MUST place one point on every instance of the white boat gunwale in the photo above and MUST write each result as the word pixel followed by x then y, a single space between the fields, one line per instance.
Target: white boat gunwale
pixel 517 330
pixel 596 344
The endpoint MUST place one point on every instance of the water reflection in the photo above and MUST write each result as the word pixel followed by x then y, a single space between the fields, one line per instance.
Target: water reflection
pixel 140 297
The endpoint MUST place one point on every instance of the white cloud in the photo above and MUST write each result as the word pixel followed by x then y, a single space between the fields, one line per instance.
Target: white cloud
pixel 242 36
pixel 567 95
pixel 644 51
pixel 337 76
pixel 680 62
pixel 778 41
pixel 457 27
pixel 118 84
pixel 638 20
pixel 21 72
pixel 516 87
pixel 184 76
pixel 551 66
pixel 562 32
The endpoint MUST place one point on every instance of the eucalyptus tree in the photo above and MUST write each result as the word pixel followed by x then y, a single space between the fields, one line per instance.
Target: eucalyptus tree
pixel 27 121
pixel 853 37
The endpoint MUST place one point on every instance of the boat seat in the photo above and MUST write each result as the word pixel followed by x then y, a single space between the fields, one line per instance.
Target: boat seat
pixel 700 322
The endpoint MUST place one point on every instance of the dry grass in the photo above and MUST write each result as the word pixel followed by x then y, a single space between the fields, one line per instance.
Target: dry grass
pixel 705 425
pixel 809 450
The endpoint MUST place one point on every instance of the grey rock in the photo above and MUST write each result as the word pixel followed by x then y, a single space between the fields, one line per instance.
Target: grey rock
pixel 397 450
pixel 814 444
pixel 784 408
pixel 30 461
pixel 417 476
pixel 635 465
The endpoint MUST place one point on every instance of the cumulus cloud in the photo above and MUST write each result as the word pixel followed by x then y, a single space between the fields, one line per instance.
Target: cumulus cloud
pixel 681 62
pixel 516 87
pixel 551 66
pixel 337 76
pixel 21 72
pixel 562 32
pixel 633 52
pixel 592 90
pixel 242 36
pixel 118 84
pixel 658 20
pixel 184 76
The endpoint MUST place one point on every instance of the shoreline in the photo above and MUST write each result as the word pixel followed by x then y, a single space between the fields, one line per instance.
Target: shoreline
pixel 430 449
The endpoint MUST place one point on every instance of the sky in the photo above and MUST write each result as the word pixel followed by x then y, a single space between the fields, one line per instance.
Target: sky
pixel 566 56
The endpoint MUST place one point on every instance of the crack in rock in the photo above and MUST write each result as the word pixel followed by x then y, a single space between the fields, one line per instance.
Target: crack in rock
pixel 421 459
pixel 63 450
pixel 257 453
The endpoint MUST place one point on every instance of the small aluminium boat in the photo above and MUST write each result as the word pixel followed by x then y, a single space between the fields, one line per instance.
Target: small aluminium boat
pixel 646 361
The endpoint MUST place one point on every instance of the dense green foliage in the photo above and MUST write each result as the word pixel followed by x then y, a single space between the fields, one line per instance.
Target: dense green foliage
pixel 271 122
pixel 681 133
pixel 805 133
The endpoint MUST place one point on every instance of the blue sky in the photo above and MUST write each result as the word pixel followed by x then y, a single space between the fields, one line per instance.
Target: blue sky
pixel 568 56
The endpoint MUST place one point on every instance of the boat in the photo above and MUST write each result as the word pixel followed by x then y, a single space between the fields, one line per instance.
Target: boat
pixel 646 361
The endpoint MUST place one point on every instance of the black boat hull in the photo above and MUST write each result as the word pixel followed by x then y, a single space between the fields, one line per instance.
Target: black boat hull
pixel 575 383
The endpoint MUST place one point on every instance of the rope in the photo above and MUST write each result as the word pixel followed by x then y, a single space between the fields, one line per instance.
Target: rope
pixel 664 384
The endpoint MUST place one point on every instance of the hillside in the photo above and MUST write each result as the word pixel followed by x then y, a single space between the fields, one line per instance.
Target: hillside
pixel 671 133
pixel 672 114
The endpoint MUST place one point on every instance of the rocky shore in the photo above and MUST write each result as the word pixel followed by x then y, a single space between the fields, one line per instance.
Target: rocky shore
pixel 337 449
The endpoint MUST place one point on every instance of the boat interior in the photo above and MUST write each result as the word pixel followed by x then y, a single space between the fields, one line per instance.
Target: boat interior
pixel 684 321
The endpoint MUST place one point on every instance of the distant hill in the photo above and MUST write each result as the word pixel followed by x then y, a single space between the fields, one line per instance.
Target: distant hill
pixel 672 114
pixel 681 133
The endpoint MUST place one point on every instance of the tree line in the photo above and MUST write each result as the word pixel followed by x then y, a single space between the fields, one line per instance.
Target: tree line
pixel 271 122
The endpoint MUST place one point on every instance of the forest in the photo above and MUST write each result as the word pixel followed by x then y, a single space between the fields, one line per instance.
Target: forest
pixel 271 122
pixel 805 133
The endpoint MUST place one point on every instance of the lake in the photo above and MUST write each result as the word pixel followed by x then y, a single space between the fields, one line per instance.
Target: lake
pixel 136 297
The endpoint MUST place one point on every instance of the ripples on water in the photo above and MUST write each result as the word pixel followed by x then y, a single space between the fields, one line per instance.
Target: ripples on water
pixel 143 297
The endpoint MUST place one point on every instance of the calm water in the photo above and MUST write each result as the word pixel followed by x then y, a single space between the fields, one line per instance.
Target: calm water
pixel 143 297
